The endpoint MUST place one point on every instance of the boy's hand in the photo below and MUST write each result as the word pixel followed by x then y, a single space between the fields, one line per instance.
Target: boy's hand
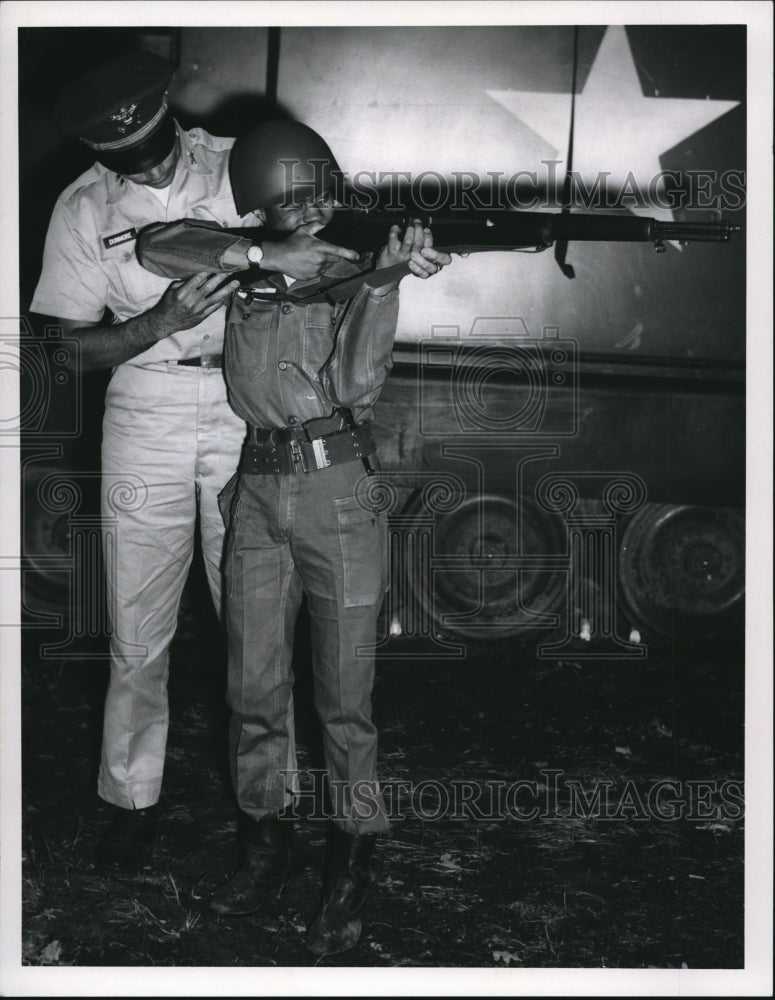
pixel 416 247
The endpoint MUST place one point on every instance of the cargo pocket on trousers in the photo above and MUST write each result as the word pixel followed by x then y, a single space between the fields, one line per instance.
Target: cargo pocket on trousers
pixel 363 543
pixel 229 504
pixel 226 498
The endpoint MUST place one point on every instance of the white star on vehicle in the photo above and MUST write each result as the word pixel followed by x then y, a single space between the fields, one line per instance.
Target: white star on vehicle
pixel 618 131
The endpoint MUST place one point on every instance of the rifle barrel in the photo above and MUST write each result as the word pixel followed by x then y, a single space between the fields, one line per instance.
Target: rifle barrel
pixel 631 228
pixel 473 231
pixel 707 232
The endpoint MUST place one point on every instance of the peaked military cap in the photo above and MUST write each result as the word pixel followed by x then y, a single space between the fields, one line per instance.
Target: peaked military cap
pixel 119 110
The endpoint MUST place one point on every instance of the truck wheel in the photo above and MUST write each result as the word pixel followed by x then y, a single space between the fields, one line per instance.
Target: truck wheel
pixel 472 587
pixel 682 571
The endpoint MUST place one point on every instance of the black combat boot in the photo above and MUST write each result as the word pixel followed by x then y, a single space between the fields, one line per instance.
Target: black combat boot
pixel 266 850
pixel 338 925
pixel 129 838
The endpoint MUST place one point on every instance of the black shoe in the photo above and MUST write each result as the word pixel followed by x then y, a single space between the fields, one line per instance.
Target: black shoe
pixel 128 839
pixel 266 847
pixel 338 925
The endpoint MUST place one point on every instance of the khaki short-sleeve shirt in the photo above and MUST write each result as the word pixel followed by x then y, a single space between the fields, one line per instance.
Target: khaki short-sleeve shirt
pixel 89 261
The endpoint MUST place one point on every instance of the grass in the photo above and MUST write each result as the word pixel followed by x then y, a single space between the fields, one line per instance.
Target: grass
pixel 563 890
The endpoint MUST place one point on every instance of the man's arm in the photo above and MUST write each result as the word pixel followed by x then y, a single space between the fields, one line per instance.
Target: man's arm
pixel 184 305
pixel 177 249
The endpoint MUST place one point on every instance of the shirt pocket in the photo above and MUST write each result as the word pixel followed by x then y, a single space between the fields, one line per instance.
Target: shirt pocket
pixel 363 545
pixel 132 289
pixel 247 341
pixel 220 210
pixel 319 334
pixel 319 315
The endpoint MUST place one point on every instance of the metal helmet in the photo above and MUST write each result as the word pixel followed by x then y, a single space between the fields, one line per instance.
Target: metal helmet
pixel 279 161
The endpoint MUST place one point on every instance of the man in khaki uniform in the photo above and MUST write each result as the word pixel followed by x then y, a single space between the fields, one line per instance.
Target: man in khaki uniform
pixel 170 439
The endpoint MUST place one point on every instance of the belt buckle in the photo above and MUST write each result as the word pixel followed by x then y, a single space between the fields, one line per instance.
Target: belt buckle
pixel 297 456
pixel 284 435
pixel 321 455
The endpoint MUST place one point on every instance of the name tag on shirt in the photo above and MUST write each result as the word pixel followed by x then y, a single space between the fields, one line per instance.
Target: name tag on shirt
pixel 243 293
pixel 125 236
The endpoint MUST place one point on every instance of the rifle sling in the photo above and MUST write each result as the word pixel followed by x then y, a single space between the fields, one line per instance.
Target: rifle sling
pixel 340 289
pixel 337 289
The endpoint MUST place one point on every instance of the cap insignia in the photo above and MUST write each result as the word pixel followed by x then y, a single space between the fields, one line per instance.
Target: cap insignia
pixel 126 119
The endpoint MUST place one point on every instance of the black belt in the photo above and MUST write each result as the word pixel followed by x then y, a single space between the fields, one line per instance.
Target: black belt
pixel 206 361
pixel 315 445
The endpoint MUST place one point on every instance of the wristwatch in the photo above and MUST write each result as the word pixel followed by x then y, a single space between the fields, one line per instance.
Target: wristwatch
pixel 255 254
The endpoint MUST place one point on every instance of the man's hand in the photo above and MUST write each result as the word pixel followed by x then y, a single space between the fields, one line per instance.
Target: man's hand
pixel 183 305
pixel 416 248
pixel 187 303
pixel 302 256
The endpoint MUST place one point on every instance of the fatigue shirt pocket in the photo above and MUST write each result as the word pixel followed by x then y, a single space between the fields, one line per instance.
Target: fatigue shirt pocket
pixel 248 332
pixel 363 544
pixel 319 330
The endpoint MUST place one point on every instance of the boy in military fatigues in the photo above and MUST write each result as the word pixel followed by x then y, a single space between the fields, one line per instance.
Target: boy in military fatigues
pixel 305 376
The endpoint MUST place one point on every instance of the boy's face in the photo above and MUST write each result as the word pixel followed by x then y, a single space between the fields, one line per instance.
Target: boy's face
pixel 315 211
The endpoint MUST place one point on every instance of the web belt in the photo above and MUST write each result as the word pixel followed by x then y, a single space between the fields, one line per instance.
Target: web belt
pixel 289 450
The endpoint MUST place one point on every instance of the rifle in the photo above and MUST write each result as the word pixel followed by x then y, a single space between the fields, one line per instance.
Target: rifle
pixel 472 232
pixel 454 232
pixel 482 231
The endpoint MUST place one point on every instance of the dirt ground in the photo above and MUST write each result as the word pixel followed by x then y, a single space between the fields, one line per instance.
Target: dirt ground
pixel 546 814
